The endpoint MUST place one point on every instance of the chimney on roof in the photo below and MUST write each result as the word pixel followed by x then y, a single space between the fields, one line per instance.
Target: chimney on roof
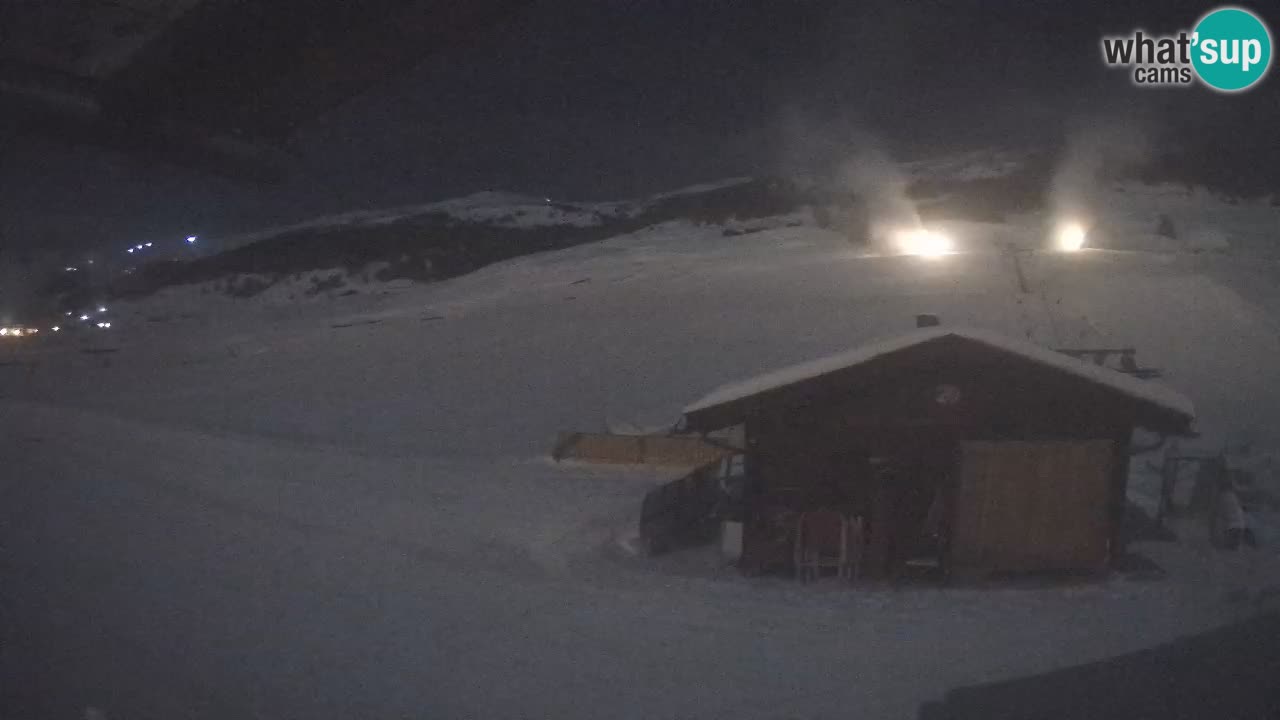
pixel 925 321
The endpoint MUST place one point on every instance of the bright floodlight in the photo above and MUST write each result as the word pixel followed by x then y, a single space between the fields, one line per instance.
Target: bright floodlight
pixel 191 239
pixel 130 249
pixel 148 244
pixel 926 243
pixel 4 331
pixel 1071 237
pixel 102 308
pixel 83 318
pixel 55 328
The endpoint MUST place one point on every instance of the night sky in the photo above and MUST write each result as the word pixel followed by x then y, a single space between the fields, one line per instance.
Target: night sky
pixel 602 99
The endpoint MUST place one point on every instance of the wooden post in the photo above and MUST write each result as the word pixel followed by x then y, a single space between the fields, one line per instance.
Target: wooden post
pixel 950 498
pixel 1168 480
pixel 882 527
pixel 1119 491
pixel 750 485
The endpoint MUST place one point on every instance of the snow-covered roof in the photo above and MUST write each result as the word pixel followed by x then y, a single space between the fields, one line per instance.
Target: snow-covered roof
pixel 1126 384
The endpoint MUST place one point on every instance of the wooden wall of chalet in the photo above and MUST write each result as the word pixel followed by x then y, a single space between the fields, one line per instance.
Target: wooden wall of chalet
pixel 809 445
pixel 1023 506
pixel 935 396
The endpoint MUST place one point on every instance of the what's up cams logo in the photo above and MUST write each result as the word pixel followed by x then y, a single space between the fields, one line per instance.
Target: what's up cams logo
pixel 1229 51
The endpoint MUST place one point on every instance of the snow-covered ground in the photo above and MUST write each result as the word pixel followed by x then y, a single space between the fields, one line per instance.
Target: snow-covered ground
pixel 342 507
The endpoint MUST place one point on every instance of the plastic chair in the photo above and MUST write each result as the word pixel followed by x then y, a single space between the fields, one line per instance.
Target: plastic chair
pixel 822 541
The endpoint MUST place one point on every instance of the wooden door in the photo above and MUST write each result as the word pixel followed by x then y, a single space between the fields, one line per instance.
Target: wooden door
pixel 910 467
pixel 1025 506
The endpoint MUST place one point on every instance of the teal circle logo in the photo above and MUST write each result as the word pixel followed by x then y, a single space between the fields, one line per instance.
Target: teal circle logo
pixel 1231 49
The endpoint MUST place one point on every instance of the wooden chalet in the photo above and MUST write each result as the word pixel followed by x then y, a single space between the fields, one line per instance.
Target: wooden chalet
pixel 958 452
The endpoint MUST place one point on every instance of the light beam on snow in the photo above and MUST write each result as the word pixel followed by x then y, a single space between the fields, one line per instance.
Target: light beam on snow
pixel 925 243
pixel 1071 237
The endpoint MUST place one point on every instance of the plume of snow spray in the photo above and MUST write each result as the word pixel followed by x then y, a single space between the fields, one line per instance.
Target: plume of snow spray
pixel 880 189
pixel 856 165
pixel 1095 151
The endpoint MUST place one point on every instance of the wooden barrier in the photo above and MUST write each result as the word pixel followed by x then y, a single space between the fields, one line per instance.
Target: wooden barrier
pixel 666 450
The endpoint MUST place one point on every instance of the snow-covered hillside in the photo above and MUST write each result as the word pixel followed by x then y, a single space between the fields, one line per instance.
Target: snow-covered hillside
pixel 351 490
pixel 651 319
pixel 503 209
